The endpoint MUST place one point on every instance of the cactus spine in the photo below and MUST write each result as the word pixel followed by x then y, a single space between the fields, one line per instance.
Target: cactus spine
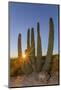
pixel 47 64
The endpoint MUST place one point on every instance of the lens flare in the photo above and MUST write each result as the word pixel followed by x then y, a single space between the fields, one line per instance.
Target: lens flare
pixel 24 55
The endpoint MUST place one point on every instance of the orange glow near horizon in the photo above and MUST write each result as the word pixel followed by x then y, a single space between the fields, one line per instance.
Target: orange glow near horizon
pixel 24 55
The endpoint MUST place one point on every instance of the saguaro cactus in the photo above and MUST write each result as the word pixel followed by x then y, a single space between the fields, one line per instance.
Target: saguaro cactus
pixel 19 46
pixel 28 42
pixel 28 39
pixel 32 49
pixel 39 49
pixel 47 64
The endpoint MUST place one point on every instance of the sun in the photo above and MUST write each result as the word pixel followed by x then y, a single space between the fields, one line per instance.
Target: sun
pixel 24 55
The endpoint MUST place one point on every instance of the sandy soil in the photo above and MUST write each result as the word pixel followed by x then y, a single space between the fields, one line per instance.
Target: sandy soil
pixel 30 80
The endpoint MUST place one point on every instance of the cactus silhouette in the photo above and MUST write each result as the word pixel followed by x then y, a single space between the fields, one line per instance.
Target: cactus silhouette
pixel 28 43
pixel 28 38
pixel 47 65
pixel 39 49
pixel 32 52
pixel 19 45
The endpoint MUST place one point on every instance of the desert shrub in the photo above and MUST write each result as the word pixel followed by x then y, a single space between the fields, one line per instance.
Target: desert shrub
pixel 55 62
pixel 15 68
pixel 26 68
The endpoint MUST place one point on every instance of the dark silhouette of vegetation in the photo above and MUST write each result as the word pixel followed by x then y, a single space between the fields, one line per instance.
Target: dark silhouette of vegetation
pixel 32 63
pixel 47 65
pixel 39 50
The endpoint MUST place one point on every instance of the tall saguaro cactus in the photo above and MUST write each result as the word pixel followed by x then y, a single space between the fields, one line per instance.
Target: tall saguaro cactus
pixel 19 46
pixel 32 49
pixel 47 64
pixel 28 38
pixel 39 49
pixel 28 42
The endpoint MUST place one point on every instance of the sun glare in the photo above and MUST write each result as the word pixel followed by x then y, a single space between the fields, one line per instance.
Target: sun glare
pixel 24 55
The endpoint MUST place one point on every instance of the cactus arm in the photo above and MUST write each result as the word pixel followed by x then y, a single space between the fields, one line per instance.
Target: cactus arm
pixel 47 64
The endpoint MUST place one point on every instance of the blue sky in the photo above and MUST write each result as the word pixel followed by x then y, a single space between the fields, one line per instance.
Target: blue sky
pixel 23 16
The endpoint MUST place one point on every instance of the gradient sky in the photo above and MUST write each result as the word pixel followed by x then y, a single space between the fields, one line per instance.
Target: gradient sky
pixel 23 16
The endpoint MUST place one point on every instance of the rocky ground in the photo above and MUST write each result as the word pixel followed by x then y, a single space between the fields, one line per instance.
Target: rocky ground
pixel 31 80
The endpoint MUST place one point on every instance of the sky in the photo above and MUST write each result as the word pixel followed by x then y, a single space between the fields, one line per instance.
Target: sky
pixel 26 15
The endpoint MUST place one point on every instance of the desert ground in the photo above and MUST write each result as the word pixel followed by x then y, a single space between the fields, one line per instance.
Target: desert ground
pixel 19 79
